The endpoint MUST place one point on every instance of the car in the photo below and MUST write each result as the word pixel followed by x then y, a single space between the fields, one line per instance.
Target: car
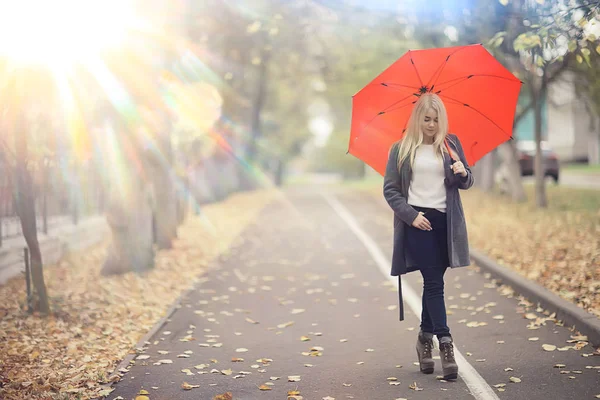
pixel 526 154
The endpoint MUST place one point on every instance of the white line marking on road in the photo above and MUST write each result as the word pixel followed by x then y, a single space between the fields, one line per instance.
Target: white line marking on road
pixel 239 275
pixel 478 387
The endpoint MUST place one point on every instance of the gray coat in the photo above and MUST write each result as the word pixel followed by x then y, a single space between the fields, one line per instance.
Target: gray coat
pixel 395 190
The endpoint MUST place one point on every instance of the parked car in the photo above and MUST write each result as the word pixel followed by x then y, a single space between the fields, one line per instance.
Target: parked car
pixel 526 152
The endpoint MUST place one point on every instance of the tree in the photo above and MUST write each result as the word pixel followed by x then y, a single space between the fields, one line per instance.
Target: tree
pixel 548 38
pixel 19 95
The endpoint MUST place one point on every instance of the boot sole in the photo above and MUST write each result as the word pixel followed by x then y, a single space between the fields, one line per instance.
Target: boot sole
pixel 451 374
pixel 426 368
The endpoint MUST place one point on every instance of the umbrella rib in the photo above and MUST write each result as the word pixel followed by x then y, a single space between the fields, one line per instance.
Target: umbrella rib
pixel 477 111
pixel 476 75
pixel 415 67
pixel 399 107
pixel 442 65
pixel 398 84
pixel 387 109
pixel 457 81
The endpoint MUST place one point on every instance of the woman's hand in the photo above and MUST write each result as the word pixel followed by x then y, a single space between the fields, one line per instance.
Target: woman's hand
pixel 421 222
pixel 459 168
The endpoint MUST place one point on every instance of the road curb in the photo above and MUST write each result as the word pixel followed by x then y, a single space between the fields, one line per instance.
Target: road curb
pixel 566 311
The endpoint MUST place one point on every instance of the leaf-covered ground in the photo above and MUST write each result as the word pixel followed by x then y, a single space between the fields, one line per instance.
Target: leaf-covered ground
pixel 558 247
pixel 97 320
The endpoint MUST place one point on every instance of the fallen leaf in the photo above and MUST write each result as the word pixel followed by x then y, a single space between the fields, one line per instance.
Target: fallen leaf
pixel 264 387
pixel 414 386
pixel 285 325
pixel 241 350
pixel 187 386
pixel 549 347
pixel 515 379
pixel 224 396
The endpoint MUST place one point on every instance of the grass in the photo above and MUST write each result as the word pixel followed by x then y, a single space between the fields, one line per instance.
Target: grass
pixel 562 198
pixel 582 168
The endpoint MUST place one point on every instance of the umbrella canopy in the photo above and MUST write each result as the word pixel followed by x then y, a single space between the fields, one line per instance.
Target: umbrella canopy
pixel 479 93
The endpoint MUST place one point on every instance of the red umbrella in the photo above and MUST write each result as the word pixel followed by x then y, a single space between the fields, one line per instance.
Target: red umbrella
pixel 479 93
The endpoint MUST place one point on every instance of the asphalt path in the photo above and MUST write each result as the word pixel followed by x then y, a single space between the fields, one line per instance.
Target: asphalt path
pixel 303 302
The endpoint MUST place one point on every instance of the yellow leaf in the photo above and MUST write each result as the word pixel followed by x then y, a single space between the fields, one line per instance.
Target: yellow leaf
pixel 187 386
pixel 224 396
pixel 264 387
pixel 549 347
pixel 143 392
pixel 515 380
pixel 293 393
pixel 142 398
pixel 503 2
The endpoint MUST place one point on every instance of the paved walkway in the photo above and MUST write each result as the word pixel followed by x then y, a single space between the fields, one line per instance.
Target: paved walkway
pixel 304 302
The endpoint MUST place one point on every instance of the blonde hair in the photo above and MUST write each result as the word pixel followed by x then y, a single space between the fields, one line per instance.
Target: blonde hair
pixel 414 136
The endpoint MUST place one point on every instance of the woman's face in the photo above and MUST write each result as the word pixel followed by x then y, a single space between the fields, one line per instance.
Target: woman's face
pixel 429 125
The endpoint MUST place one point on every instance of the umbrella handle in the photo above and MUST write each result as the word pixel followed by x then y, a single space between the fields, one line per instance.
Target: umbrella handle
pixel 452 160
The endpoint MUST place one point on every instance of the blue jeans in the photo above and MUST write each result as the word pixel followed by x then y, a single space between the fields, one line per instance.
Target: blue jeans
pixel 433 316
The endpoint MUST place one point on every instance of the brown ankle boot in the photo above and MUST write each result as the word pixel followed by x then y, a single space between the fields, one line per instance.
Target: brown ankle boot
pixel 424 350
pixel 449 366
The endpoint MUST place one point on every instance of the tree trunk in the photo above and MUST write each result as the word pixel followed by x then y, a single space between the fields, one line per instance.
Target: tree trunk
pixel 257 105
pixel 279 171
pixel 487 169
pixel 26 210
pixel 130 219
pixel 537 96
pixel 163 180
pixel 129 214
pixel 512 171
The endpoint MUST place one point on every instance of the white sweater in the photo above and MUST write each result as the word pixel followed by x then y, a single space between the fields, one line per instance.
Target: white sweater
pixel 427 187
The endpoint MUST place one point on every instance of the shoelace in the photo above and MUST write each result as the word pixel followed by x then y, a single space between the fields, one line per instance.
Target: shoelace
pixel 427 349
pixel 448 352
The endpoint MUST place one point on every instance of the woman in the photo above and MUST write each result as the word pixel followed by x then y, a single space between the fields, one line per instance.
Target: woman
pixel 425 169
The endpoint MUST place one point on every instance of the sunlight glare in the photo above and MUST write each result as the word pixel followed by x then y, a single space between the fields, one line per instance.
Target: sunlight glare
pixel 61 32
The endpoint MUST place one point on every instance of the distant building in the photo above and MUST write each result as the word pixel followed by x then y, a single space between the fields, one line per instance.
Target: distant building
pixel 570 129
